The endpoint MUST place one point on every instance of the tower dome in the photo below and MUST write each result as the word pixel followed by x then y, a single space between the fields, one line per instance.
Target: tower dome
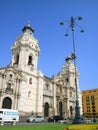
pixel 28 29
pixel 68 59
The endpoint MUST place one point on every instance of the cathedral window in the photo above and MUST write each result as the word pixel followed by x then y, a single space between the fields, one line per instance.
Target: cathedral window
pixel 17 59
pixel 67 80
pixel 10 76
pixel 60 89
pixel 30 60
pixel 71 111
pixel 8 86
pixel 47 86
pixel 30 81
pixel 29 94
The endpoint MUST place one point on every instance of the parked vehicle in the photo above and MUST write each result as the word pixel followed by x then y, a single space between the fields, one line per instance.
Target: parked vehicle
pixel 33 119
pixel 9 115
pixel 55 118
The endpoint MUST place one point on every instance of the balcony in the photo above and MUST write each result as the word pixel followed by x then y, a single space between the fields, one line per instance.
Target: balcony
pixel 9 90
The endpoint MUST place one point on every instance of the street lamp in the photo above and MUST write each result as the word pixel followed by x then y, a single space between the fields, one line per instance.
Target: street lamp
pixel 72 24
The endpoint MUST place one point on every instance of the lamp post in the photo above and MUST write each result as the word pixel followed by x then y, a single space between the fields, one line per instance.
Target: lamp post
pixel 72 24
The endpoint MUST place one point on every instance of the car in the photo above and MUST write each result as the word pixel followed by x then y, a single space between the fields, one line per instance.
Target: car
pixel 55 118
pixel 63 121
pixel 33 119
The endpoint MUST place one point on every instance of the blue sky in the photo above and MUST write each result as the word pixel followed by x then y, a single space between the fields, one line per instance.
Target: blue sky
pixel 45 16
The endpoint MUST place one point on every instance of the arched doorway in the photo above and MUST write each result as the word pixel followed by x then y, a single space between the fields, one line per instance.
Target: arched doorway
pixel 7 103
pixel 46 110
pixel 71 112
pixel 60 108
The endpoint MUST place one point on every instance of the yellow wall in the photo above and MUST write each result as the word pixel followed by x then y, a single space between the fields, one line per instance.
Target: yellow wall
pixel 90 102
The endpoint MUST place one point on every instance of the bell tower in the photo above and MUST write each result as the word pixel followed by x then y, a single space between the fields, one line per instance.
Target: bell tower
pixel 68 72
pixel 25 50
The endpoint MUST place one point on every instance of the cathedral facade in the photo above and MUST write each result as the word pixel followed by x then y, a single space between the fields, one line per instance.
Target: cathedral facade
pixel 24 88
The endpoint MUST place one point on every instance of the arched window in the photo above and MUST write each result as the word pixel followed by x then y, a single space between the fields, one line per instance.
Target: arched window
pixel 30 60
pixel 70 93
pixel 47 86
pixel 10 76
pixel 67 80
pixel 7 103
pixel 17 59
pixel 29 94
pixel 61 108
pixel 60 89
pixel 8 86
pixel 30 81
pixel 46 110
pixel 71 111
